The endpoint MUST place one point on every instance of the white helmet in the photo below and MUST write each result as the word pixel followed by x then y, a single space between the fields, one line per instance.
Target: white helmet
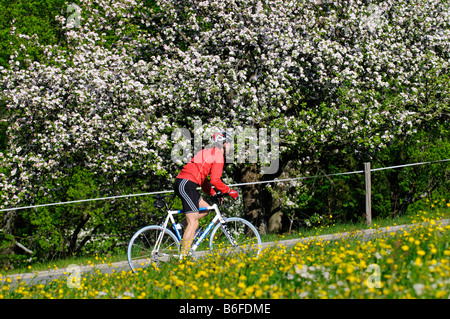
pixel 219 137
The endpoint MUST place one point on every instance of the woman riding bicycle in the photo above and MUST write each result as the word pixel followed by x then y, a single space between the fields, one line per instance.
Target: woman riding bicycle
pixel 207 162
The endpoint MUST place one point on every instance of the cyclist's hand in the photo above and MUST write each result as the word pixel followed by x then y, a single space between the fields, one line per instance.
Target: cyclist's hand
pixel 219 196
pixel 233 193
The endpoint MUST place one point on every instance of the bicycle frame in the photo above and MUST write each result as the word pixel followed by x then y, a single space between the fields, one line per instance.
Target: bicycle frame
pixel 217 218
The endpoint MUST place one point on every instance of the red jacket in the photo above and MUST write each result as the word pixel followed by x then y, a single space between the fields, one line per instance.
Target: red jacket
pixel 208 161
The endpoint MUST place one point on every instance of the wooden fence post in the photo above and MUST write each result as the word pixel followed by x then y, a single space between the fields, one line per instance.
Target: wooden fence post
pixel 368 193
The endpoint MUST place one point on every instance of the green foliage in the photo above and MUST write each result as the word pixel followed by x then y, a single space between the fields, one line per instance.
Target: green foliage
pixel 393 190
pixel 398 188
pixel 7 257
pixel 29 17
pixel 80 228
pixel 3 127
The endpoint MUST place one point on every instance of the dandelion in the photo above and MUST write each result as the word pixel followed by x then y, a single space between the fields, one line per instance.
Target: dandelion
pixel 258 293
pixel 418 261
pixel 249 290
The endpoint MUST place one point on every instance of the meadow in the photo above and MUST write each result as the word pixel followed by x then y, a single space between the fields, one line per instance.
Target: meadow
pixel 412 263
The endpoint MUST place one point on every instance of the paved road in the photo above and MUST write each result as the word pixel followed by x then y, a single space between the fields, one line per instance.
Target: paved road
pixel 75 270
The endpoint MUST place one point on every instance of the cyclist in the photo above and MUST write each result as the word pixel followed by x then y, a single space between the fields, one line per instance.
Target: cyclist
pixel 207 162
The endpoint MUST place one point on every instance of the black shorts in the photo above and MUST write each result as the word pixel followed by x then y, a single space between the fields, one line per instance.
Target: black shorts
pixel 187 191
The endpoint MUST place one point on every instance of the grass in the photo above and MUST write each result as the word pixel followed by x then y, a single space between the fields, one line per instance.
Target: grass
pixel 407 264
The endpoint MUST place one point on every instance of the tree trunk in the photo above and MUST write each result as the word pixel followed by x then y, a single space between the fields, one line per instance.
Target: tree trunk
pixel 9 222
pixel 251 196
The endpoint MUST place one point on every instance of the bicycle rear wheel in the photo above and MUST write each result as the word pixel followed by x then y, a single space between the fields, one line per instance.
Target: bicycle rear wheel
pixel 144 249
pixel 244 238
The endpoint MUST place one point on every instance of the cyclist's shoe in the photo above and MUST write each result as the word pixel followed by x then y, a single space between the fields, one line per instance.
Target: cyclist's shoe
pixel 189 256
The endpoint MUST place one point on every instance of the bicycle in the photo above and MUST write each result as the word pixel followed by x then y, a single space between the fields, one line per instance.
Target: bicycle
pixel 154 244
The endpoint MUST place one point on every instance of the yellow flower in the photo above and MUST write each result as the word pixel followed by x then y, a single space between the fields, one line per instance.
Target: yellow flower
pixel 421 252
pixel 405 248
pixel 201 273
pixel 363 264
pixel 441 294
pixel 350 269
pixel 142 295
pixel 249 290
pixel 179 282
pixel 193 286
pixel 218 291
pixel 418 261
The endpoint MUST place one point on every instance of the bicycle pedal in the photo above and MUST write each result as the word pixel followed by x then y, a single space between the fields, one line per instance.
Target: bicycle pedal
pixel 189 256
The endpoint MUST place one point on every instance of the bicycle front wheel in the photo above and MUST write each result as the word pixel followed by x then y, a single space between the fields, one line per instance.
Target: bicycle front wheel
pixel 152 245
pixel 237 235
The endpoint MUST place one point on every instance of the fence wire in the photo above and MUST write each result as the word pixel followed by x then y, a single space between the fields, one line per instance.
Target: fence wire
pixel 231 185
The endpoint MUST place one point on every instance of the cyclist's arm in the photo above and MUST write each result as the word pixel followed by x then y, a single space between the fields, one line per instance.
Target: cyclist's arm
pixel 206 187
pixel 216 174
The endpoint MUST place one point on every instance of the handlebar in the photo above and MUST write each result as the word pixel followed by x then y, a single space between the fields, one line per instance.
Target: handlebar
pixel 218 195
pixel 218 198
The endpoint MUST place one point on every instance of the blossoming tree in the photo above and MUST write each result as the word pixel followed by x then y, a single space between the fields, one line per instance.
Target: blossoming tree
pixel 339 77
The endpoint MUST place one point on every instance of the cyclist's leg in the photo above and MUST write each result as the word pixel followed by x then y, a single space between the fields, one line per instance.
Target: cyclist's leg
pixel 192 201
pixel 192 221
pixel 186 191
pixel 202 203
pixel 192 225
